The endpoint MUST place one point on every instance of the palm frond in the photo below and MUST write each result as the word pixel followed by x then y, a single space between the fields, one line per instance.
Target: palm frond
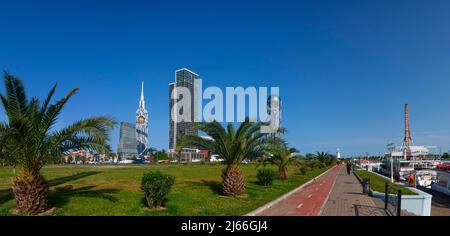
pixel 27 138
pixel 15 101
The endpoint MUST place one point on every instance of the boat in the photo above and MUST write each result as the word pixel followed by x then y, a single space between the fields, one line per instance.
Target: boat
pixel 442 183
pixel 400 164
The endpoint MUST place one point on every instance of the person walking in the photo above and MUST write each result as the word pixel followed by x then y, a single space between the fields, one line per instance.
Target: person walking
pixel 411 180
pixel 349 167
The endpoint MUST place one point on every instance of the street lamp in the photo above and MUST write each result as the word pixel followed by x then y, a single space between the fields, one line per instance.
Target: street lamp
pixel 392 168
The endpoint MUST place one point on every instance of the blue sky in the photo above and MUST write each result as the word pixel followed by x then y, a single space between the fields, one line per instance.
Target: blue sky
pixel 344 68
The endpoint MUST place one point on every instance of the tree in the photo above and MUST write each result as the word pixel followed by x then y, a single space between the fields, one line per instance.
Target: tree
pixel 160 155
pixel 233 146
pixel 325 158
pixel 309 156
pixel 29 139
pixel 280 155
pixel 321 156
pixel 446 155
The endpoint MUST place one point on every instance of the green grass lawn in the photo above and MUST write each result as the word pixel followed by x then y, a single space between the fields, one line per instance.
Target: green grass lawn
pixel 377 183
pixel 90 191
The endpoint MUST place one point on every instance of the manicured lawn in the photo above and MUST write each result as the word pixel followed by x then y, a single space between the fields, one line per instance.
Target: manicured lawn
pixel 87 190
pixel 377 183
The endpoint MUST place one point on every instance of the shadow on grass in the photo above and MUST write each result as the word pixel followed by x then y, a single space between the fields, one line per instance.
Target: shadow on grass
pixel 214 186
pixel 61 195
pixel 65 179
pixel 7 194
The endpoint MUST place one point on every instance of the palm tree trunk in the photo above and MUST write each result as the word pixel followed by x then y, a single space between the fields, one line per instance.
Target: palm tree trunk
pixel 282 173
pixel 233 183
pixel 30 192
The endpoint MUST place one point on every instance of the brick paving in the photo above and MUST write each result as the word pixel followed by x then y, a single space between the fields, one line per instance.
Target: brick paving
pixel 346 199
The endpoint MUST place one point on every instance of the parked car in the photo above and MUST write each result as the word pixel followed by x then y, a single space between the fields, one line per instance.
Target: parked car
pixel 215 158
pixel 126 162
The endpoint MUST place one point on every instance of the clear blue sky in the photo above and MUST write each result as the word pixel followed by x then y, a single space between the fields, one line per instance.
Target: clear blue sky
pixel 345 68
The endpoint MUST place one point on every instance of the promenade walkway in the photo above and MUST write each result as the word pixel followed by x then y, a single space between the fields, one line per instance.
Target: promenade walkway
pixel 306 201
pixel 346 199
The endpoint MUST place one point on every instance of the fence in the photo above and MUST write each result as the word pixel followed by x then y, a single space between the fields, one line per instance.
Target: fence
pixel 393 201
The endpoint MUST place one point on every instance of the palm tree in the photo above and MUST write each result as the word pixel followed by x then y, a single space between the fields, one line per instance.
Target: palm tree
pixel 322 156
pixel 231 145
pixel 325 158
pixel 28 139
pixel 280 155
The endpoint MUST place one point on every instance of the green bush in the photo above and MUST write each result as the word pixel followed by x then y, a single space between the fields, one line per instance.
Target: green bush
pixel 312 164
pixel 302 170
pixel 156 186
pixel 266 176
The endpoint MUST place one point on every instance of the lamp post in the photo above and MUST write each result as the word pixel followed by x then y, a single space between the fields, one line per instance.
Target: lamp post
pixel 392 168
pixel 391 149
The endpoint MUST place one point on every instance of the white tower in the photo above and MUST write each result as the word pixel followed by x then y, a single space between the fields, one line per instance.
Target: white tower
pixel 141 124
pixel 338 153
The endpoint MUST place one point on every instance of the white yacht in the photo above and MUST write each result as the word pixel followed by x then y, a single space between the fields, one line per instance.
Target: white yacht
pixel 442 183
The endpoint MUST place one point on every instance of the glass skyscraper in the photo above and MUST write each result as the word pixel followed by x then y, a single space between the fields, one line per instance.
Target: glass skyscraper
pixel 134 138
pixel 183 78
pixel 127 141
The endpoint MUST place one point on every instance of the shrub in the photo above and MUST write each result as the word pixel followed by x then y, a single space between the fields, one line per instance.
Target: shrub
pixel 302 170
pixel 156 186
pixel 266 176
pixel 312 164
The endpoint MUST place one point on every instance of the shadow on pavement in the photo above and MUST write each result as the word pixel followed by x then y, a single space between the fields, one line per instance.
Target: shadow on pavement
pixel 361 210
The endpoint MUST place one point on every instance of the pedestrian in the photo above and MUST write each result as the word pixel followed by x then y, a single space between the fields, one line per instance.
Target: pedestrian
pixel 397 177
pixel 349 167
pixel 411 180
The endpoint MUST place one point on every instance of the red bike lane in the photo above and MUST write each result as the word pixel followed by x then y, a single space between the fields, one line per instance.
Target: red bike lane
pixel 308 200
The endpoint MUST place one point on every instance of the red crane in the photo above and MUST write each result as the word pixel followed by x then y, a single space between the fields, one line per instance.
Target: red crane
pixel 407 141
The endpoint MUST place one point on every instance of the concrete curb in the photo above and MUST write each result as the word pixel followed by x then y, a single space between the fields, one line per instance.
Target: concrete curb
pixel 270 204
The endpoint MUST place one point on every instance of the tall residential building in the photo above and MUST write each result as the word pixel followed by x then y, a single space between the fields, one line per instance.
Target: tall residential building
pixel 141 124
pixel 127 141
pixel 183 78
pixel 276 100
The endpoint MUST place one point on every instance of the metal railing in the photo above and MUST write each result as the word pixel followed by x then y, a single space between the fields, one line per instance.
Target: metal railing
pixel 393 201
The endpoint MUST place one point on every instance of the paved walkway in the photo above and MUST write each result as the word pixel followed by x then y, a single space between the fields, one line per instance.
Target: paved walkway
pixel 347 199
pixel 306 201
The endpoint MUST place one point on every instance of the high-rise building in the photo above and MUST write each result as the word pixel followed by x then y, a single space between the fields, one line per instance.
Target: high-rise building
pixel 127 141
pixel 141 124
pixel 275 100
pixel 183 78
